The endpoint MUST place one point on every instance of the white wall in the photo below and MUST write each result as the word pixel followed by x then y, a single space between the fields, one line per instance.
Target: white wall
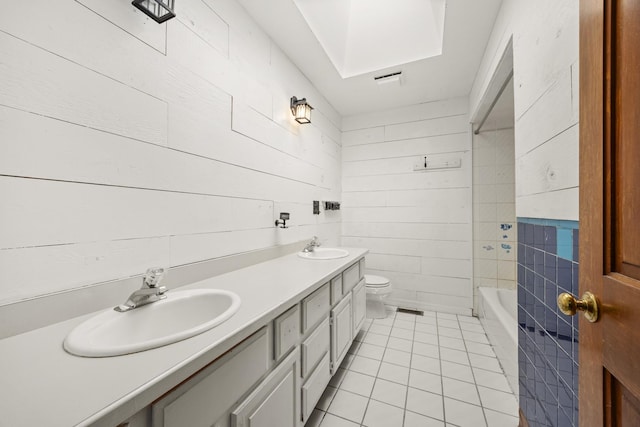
pixel 417 225
pixel 126 144
pixel 545 55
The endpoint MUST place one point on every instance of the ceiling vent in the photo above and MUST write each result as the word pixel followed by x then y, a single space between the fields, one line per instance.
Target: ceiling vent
pixel 389 80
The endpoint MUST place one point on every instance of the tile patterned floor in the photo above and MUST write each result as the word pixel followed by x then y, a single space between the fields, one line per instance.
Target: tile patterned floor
pixel 436 370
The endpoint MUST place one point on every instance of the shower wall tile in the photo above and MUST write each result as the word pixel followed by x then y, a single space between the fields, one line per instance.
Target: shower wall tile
pixel 547 340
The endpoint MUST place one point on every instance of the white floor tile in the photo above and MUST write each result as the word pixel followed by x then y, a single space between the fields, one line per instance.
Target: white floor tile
pixel 498 401
pixel 406 317
pixel 485 362
pixel 426 364
pixel 425 403
pixel 460 390
pixel 448 323
pixel 380 329
pixel 426 338
pixel 427 328
pixel 494 380
pixel 402 333
pixel 454 343
pixel 424 349
pixel 449 332
pixel 375 339
pixel 468 319
pixel 477 348
pixel 358 383
pixel 397 357
pixel 456 371
pixel 446 316
pixel 412 419
pixel 395 373
pixel 364 365
pixel 425 381
pixel 404 324
pixel 400 344
pixel 333 421
pixel 382 415
pixel 326 398
pixel 388 392
pixel 480 337
pixel 472 327
pixel 498 419
pixel 456 356
pixel 348 405
pixel 371 351
pixel 463 414
pixel 388 321
pixel 427 319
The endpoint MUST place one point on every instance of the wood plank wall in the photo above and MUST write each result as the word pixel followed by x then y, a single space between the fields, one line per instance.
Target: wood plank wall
pixel 417 225
pixel 545 45
pixel 126 144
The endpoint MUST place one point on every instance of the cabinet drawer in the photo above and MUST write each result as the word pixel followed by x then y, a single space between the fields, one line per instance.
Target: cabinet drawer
pixel 314 347
pixel 286 331
pixel 275 401
pixel 201 401
pixel 350 278
pixel 336 289
pixel 314 387
pixel 315 307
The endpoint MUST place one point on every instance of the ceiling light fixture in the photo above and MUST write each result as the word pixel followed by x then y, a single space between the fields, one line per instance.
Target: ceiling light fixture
pixel 158 10
pixel 301 110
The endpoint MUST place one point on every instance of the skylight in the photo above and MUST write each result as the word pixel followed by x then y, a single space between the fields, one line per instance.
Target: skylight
pixel 361 36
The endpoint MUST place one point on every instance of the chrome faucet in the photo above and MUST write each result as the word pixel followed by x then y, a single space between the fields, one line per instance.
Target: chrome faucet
pixel 314 243
pixel 148 293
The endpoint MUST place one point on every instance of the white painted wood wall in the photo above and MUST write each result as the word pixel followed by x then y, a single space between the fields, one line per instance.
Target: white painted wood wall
pixel 545 45
pixel 417 225
pixel 126 144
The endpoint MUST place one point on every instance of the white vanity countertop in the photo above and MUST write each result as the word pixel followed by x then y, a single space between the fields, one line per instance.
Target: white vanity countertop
pixel 42 385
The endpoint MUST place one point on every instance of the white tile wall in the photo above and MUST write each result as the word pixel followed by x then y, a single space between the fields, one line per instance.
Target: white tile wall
pixel 417 225
pixel 138 144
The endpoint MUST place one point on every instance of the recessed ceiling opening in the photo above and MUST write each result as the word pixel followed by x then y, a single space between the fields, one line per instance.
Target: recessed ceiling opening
pixel 361 36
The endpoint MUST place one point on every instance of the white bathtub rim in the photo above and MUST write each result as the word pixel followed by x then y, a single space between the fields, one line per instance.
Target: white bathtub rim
pixel 506 319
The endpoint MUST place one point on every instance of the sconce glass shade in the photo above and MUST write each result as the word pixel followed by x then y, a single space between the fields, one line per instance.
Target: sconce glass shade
pixel 301 110
pixel 158 10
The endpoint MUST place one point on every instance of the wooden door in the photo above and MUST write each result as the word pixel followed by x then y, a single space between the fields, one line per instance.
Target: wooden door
pixel 610 211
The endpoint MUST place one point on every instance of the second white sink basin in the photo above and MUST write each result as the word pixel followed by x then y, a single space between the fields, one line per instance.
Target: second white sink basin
pixel 324 253
pixel 183 314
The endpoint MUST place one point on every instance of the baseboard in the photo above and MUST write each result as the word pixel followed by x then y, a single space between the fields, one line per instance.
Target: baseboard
pixel 423 306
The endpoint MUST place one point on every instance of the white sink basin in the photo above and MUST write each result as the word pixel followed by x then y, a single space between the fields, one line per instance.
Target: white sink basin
pixel 324 253
pixel 181 315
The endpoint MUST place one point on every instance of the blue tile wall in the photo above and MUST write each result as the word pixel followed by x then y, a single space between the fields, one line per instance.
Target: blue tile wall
pixel 547 340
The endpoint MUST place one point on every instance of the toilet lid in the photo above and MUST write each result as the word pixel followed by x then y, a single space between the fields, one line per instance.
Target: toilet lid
pixel 372 280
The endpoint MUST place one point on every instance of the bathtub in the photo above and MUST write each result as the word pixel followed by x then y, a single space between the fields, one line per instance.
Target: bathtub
pixel 498 312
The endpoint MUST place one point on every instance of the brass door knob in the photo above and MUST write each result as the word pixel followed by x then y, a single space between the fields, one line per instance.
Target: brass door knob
pixel 569 305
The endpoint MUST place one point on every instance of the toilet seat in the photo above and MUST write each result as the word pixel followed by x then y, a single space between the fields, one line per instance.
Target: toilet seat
pixel 373 281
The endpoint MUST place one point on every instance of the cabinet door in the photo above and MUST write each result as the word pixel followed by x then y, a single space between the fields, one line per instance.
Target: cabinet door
pixel 359 306
pixel 341 331
pixel 275 401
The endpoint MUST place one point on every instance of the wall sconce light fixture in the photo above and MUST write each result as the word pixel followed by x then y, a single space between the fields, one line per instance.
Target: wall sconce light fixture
pixel 301 110
pixel 158 10
pixel 282 222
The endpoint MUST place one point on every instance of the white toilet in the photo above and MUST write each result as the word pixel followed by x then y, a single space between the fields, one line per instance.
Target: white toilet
pixel 378 288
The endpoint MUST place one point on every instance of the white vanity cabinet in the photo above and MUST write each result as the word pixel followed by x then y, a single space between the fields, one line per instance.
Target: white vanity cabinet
pixel 275 377
pixel 275 402
pixel 208 395
pixel 341 331
pixel 359 301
